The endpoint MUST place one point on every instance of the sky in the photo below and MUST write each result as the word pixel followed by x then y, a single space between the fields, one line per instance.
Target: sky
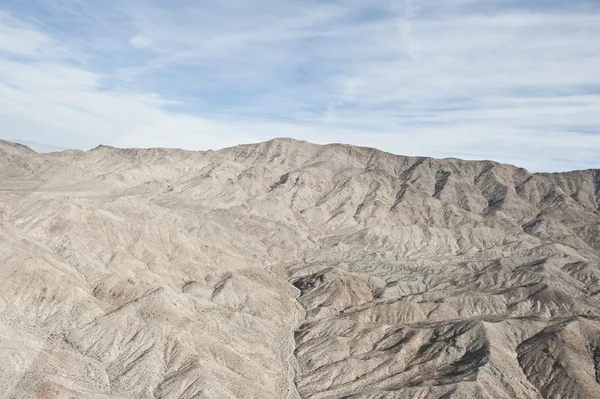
pixel 507 80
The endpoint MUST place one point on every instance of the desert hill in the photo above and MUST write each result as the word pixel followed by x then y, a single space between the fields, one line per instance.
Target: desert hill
pixel 286 269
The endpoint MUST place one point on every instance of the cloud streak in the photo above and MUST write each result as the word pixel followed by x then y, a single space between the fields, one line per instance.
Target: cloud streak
pixel 510 81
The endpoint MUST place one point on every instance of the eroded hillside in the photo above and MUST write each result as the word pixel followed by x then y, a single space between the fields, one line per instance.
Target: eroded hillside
pixel 290 270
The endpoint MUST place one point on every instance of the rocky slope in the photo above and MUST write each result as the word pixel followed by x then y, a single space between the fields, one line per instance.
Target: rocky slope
pixel 290 270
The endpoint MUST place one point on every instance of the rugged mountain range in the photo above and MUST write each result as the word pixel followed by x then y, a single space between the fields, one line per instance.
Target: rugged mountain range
pixel 286 269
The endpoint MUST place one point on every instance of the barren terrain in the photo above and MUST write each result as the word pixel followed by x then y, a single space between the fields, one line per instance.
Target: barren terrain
pixel 286 269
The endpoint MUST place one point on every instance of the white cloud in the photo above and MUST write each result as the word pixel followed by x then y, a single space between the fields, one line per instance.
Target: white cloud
pixel 78 107
pixel 17 39
pixel 140 42
pixel 475 79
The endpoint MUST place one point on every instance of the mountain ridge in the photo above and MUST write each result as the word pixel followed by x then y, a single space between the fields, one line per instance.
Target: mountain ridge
pixel 292 140
pixel 171 273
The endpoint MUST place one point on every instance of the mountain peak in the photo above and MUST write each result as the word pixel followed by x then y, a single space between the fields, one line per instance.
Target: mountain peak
pixel 16 147
pixel 418 276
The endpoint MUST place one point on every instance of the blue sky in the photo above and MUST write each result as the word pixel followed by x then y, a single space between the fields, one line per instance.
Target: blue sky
pixel 512 81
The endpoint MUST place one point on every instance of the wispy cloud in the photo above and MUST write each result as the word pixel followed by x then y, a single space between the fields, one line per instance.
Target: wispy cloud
pixel 511 81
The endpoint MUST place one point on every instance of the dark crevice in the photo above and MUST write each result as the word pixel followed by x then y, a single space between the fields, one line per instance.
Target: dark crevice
pixel 441 178
pixel 597 363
